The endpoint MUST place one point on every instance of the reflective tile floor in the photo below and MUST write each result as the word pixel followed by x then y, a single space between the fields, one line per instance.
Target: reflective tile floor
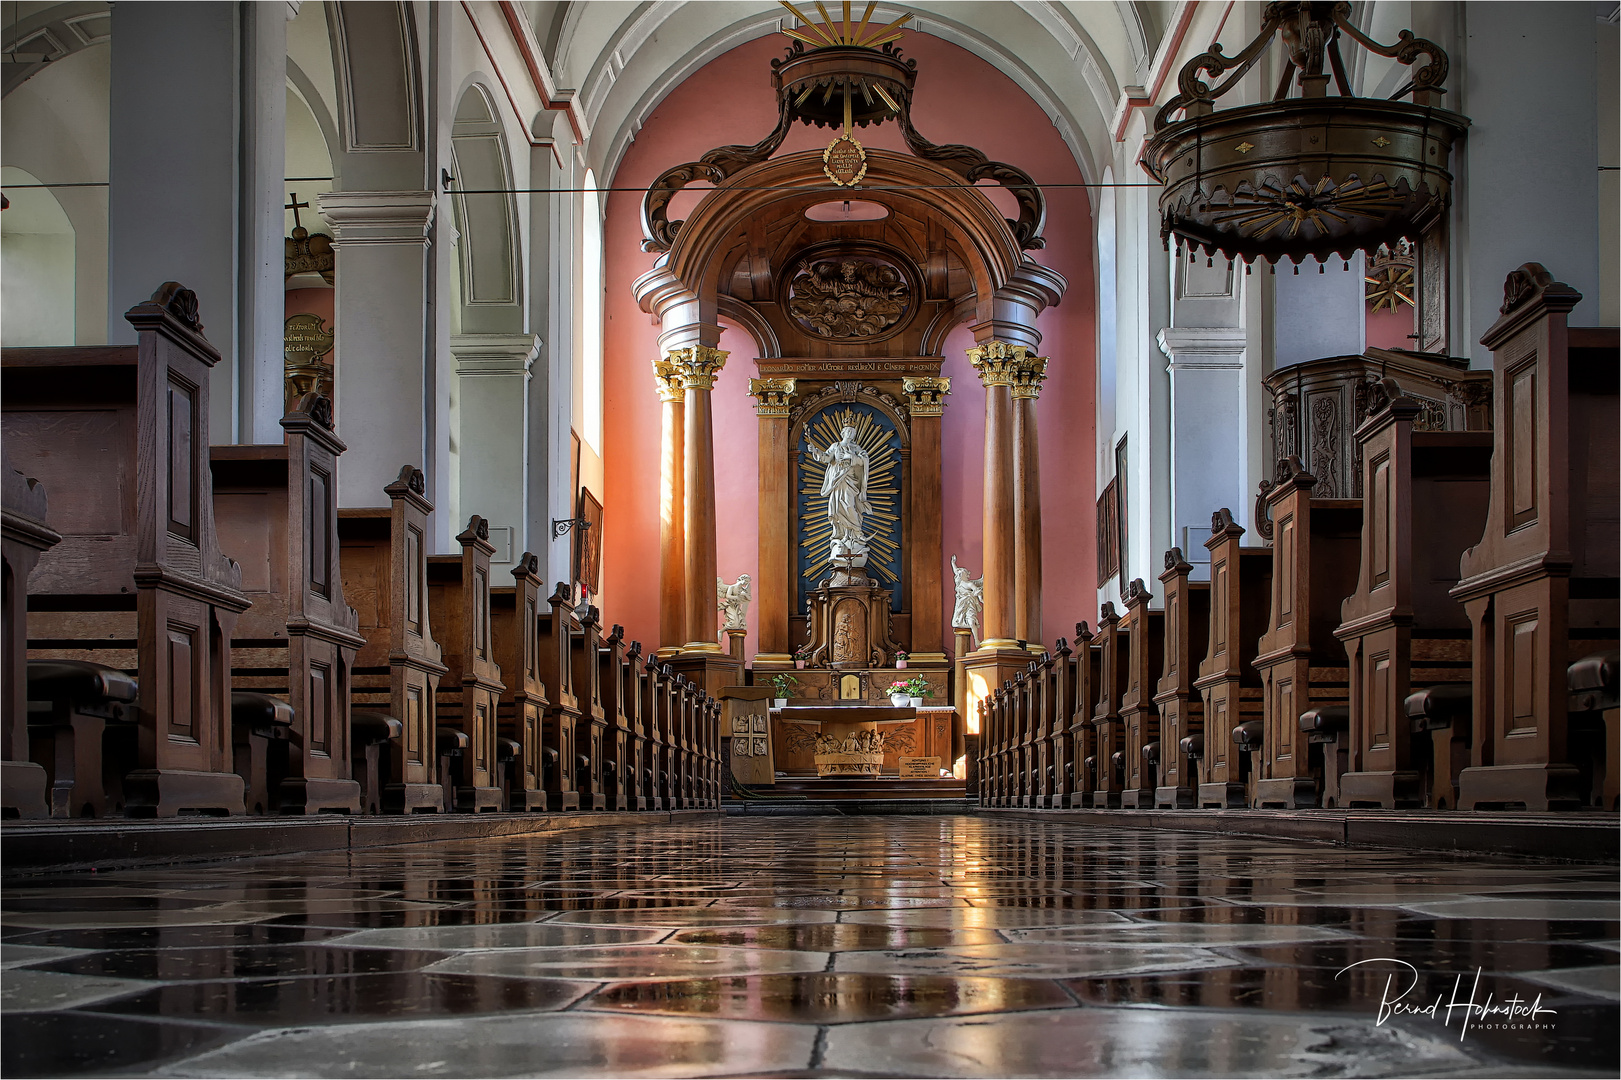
pixel 942 946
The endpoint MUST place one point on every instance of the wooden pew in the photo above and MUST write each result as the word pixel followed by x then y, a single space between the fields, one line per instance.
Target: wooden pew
pixel 1229 685
pixel 556 632
pixel 615 666
pixel 1060 716
pixel 119 435
pixel 1181 708
pixel 1022 750
pixel 1109 737
pixel 1424 499
pixel 709 741
pixel 1315 545
pixel 1539 587
pixel 681 710
pixel 275 507
pixel 1004 717
pixel 470 690
pixel 1082 736
pixel 636 746
pixel 654 706
pixel 384 557
pixel 514 616
pixel 1144 637
pixel 592 724
pixel 23 535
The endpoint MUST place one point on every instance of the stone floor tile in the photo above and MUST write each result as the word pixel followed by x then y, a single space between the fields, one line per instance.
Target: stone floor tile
pixel 562 1045
pixel 69 1043
pixel 831 998
pixel 609 962
pixel 245 962
pixel 26 990
pixel 15 955
pixel 1476 907
pixel 501 936
pixel 1136 1042
pixel 1603 981
pixel 1046 960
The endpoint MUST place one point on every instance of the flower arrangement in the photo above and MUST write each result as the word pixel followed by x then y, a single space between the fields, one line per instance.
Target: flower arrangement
pixel 898 687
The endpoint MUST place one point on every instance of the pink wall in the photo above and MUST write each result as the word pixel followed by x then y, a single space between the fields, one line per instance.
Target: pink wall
pixel 1391 329
pixel 959 98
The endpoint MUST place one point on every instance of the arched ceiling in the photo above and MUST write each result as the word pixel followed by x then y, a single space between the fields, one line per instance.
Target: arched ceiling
pixel 1073 58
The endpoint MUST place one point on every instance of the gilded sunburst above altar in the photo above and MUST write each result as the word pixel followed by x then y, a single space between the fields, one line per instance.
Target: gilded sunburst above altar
pixel 882 525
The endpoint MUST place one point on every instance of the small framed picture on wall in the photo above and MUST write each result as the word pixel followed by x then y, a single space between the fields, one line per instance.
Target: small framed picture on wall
pixel 588 543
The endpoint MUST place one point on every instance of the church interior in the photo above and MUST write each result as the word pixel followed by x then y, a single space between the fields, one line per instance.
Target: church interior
pixel 969 538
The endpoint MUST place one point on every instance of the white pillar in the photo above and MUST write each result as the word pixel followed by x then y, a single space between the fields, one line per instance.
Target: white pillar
pixel 492 379
pixel 172 172
pixel 1209 427
pixel 385 387
pixel 1318 314
pixel 1516 206
pixel 263 253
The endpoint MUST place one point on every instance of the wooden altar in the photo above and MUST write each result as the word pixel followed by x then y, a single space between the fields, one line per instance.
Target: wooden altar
pixel 927 731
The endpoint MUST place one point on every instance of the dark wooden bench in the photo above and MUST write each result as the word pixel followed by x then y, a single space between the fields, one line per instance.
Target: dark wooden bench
pixel 1315 545
pixel 1540 586
pixel 514 616
pixel 556 632
pixel 1082 736
pixel 1181 708
pixel 23 535
pixel 1241 581
pixel 615 676
pixel 591 727
pixel 397 671
pixel 655 720
pixel 1144 637
pixel 119 435
pixel 470 691
pixel 1424 499
pixel 275 508
pixel 1109 737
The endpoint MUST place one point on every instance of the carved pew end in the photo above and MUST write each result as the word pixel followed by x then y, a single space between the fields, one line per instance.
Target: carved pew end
pixel 507 751
pixel 369 734
pixel 1248 741
pixel 1595 715
pixel 451 746
pixel 1192 747
pixel 1218 795
pixel 1445 713
pixel 1328 727
pixel 261 728
pixel 71 704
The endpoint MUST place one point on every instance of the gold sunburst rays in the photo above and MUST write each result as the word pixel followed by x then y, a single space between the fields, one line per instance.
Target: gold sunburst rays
pixel 1296 204
pixel 830 33
pixel 883 493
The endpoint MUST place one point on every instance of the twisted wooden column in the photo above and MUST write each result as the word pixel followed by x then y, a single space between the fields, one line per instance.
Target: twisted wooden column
pixel 998 365
pixel 699 364
pixel 1025 391
pixel 672 508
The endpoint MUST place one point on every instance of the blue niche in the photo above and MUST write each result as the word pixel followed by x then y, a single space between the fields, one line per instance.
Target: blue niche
pixel 876 433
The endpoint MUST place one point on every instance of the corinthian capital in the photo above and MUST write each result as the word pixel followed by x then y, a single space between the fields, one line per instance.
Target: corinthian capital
pixel 997 362
pixel 772 395
pixel 698 364
pixel 667 377
pixel 1028 378
pixel 926 394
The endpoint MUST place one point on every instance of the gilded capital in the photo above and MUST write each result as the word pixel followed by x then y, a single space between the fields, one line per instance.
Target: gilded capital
pixel 926 394
pixel 1028 378
pixel 773 395
pixel 667 376
pixel 698 364
pixel 998 362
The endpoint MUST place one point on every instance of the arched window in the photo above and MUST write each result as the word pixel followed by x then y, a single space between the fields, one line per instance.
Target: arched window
pixel 38 265
pixel 591 288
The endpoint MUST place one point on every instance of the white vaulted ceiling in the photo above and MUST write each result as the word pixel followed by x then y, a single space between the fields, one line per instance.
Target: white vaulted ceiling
pixel 1073 59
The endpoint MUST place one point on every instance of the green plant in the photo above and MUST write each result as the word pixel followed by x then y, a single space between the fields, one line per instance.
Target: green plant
pixel 917 686
pixel 783 683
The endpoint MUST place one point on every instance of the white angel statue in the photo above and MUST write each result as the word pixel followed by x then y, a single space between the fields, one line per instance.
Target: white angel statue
pixel 970 599
pixel 734 601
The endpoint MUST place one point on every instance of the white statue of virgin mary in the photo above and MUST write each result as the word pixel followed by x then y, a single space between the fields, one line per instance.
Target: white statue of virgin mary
pixel 845 485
